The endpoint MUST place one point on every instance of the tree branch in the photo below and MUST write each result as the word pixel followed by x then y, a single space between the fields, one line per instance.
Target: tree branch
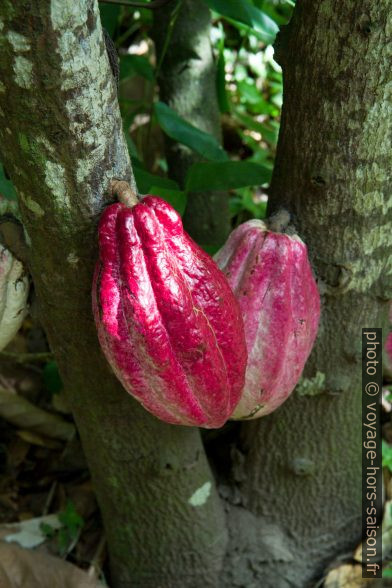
pixel 62 142
pixel 187 82
pixel 41 357
pixel 332 175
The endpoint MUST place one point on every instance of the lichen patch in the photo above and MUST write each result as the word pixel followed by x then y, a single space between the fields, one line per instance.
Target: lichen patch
pixel 72 258
pixel 19 42
pixel 23 72
pixel 55 180
pixel 34 206
pixel 66 15
pixel 201 495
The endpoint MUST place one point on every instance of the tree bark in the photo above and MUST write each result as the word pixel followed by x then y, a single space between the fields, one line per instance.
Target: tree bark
pixel 303 463
pixel 187 83
pixel 61 141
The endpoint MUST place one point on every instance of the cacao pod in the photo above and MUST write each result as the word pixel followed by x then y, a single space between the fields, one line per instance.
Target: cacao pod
pixel 388 359
pixel 167 320
pixel 272 279
pixel 387 352
pixel 14 290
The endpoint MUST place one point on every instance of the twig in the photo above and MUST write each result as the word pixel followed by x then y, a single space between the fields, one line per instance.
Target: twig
pixel 96 562
pixel 49 498
pixel 124 192
pixel 151 6
pixel 12 236
pixel 72 545
pixel 43 356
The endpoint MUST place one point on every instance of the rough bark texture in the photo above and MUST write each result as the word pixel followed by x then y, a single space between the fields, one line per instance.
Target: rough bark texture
pixel 303 463
pixel 61 141
pixel 187 82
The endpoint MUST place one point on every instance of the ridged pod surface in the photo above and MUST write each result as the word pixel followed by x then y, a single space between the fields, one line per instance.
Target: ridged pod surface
pixel 388 349
pixel 14 290
pixel 387 355
pixel 272 279
pixel 167 320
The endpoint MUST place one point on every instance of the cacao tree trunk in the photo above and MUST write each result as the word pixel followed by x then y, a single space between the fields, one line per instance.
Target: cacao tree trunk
pixel 61 141
pixel 187 83
pixel 299 469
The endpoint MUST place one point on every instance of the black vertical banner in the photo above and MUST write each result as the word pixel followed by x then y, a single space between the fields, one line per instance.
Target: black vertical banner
pixel 371 453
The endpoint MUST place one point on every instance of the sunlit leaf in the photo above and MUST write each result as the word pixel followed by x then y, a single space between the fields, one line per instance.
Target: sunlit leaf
pixel 280 12
pixel 258 209
pixel 252 97
pixel 247 14
pixel 223 100
pixel 71 519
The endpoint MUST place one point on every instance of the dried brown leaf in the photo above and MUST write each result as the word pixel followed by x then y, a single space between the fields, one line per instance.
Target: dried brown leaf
pixel 40 440
pixel 22 413
pixel 21 567
pixel 347 576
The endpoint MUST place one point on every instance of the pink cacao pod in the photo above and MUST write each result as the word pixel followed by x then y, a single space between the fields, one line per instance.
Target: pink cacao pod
pixel 388 349
pixel 167 320
pixel 272 279
pixel 387 355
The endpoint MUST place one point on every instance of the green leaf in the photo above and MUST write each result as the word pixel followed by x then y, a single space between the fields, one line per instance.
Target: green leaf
pixel 258 209
pixel 131 65
pixel 386 455
pixel 248 92
pixel 51 378
pixel 47 530
pixel 210 249
pixel 71 519
pixel 223 100
pixel 279 12
pixel 225 176
pixel 132 149
pixel 109 17
pixel 145 181
pixel 235 204
pixel 6 186
pixel 180 130
pixel 247 14
pixel 251 96
pixel 176 198
pixel 270 132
